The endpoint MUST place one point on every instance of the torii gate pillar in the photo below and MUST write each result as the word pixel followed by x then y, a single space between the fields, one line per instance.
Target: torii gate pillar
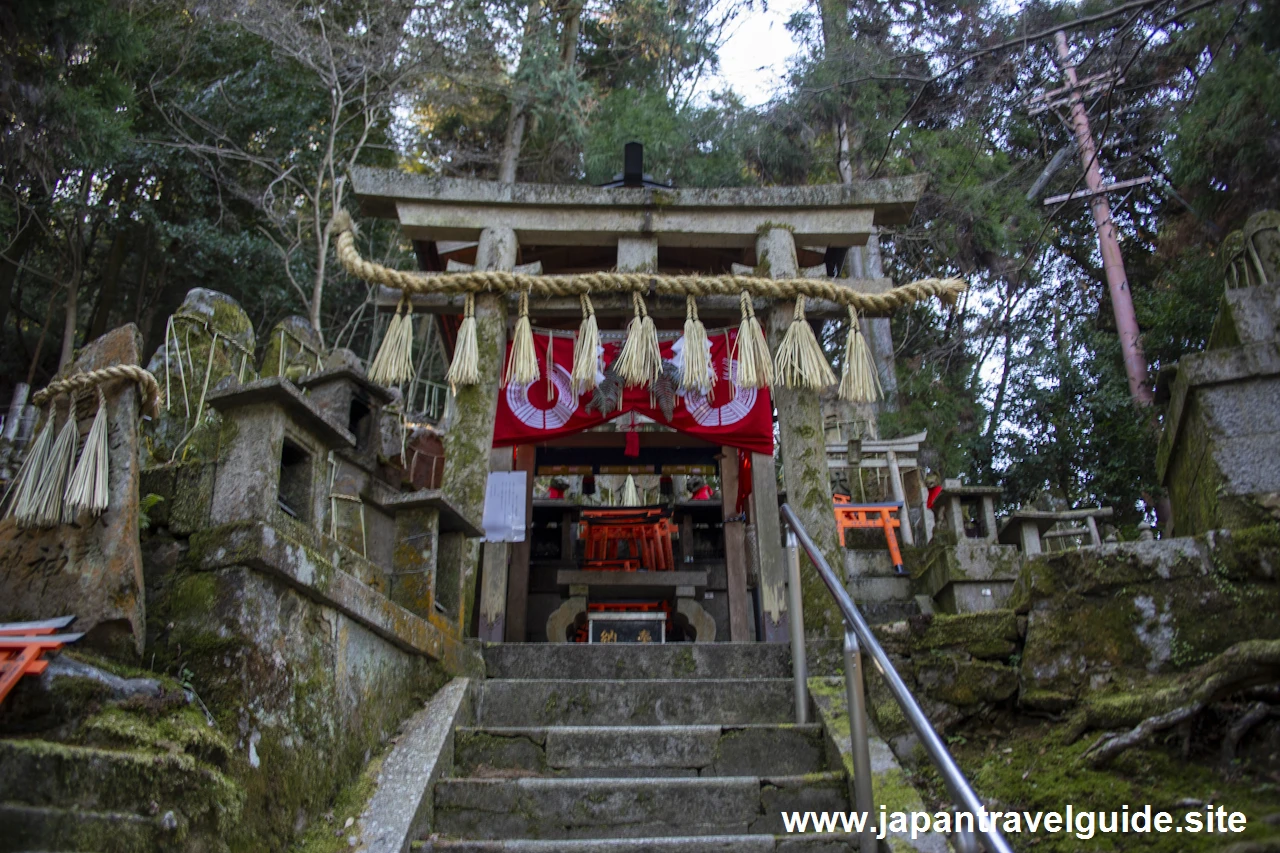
pixel 804 468
pixel 470 437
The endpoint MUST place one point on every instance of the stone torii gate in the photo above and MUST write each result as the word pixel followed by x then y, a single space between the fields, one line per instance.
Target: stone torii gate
pixel 778 232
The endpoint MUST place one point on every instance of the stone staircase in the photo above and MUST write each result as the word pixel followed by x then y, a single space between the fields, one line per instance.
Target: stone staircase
pixel 882 594
pixel 56 796
pixel 679 747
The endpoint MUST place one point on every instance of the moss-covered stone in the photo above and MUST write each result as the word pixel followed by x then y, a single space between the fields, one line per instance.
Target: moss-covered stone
pixel 1248 554
pixel 991 635
pixel 186 493
pixel 44 773
pixel 964 684
pixel 211 342
pixel 1203 448
pixel 326 832
pixel 478 753
pixel 292 349
pixel 184 729
pixel 1121 612
pixel 305 693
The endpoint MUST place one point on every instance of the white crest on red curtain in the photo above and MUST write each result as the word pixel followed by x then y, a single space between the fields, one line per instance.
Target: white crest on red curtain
pixel 554 416
pixel 703 410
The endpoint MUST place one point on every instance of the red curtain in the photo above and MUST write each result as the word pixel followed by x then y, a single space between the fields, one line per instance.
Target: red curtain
pixel 729 415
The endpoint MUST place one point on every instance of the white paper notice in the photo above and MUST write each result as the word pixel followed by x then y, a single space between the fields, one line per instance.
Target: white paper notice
pixel 504 509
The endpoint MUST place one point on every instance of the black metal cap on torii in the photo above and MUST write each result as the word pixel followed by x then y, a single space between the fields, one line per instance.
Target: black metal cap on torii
pixel 632 174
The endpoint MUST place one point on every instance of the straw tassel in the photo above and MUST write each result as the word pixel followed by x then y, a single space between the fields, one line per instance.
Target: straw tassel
pixel 800 361
pixel 640 362
pixel 586 350
pixel 465 369
pixel 755 368
pixel 860 382
pixel 630 496
pixel 522 364
pixel 29 475
pixel 46 505
pixel 87 491
pixel 394 362
pixel 695 351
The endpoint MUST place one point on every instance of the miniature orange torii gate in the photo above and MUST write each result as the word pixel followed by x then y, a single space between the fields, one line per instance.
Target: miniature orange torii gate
pixel 883 455
pixel 868 517
pixel 22 644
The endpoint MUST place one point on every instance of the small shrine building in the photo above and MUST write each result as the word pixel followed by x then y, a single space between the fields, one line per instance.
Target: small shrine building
pixel 697 554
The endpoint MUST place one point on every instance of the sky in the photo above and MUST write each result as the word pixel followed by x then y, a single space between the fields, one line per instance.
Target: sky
pixel 753 61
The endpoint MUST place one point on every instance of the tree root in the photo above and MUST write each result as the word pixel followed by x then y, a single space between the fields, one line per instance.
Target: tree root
pixel 1245 665
pixel 1257 712
pixel 1103 753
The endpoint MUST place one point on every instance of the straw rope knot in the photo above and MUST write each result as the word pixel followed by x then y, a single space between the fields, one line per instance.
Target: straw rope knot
pixel 78 383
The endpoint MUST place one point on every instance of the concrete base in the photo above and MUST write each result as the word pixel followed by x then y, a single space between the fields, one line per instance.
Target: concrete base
pixel 640 751
pixel 829 698
pixel 974 596
pixel 632 584
pixel 579 808
pixel 868 563
pixel 879 589
pixel 704 627
pixel 1219 456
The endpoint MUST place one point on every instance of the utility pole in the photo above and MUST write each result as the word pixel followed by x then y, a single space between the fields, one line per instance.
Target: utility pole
pixel 1135 362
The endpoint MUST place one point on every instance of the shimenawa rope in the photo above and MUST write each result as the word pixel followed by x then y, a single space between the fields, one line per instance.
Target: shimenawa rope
pixel 51 487
pixel 800 359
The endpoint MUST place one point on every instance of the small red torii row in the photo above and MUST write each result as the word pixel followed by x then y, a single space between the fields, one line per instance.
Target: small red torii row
pixel 22 645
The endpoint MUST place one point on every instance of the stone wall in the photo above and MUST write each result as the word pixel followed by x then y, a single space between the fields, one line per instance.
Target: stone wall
pixel 1105 619
pixel 1219 455
pixel 304 691
pixel 957 667
pixel 1083 624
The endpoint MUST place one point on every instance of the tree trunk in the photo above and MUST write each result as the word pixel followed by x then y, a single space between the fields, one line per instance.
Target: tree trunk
pixel 517 119
pixel 998 404
pixel 511 143
pixel 69 322
pixel 569 34
pixel 9 266
pixel 107 293
pixel 35 358
pixel 317 289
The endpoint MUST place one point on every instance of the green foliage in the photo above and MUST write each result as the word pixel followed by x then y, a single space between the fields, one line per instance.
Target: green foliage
pixel 147 503
pixel 65 86
pixel 150 148
pixel 1224 142
pixel 690 145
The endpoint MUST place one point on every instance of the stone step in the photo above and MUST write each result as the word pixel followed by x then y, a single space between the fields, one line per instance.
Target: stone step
pixel 871 588
pixel 32 828
pixel 56 775
pixel 593 661
pixel 860 563
pixel 629 808
pixel 634 751
pixel 657 702
pixel 809 843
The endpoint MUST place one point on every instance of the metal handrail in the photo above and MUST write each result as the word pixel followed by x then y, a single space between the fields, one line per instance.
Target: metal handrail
pixel 858 635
